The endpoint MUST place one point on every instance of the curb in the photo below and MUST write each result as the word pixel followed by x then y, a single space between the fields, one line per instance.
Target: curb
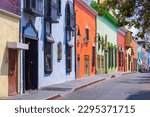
pixel 80 87
pixel 53 97
pixel 83 86
pixel 73 90
pixel 129 73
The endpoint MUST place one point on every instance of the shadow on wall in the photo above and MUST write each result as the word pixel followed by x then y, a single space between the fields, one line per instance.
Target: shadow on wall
pixel 4 64
pixel 141 95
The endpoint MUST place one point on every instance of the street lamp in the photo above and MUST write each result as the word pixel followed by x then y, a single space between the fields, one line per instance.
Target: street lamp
pixel 78 33
pixel 77 29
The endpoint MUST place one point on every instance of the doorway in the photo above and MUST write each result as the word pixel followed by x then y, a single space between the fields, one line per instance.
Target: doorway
pixel 78 64
pixel 31 65
pixel 106 70
pixel 86 65
pixel 12 72
pixel 98 64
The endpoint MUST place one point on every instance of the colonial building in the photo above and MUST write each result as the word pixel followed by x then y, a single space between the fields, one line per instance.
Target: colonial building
pixel 85 45
pixel 10 47
pixel 48 27
pixel 142 60
pixel 134 55
pixel 106 58
pixel 121 49
pixel 129 51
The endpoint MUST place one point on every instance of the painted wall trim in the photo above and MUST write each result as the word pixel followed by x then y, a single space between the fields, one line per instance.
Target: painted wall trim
pixel 17 45
pixel 10 14
pixel 87 7
pixel 122 30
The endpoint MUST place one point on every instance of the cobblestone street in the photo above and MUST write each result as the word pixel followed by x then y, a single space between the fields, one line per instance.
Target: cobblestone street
pixel 127 87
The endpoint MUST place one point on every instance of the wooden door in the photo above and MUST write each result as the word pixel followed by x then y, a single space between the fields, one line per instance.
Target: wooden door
pixel 78 62
pixel 98 64
pixel 86 65
pixel 102 64
pixel 106 70
pixel 31 65
pixel 12 72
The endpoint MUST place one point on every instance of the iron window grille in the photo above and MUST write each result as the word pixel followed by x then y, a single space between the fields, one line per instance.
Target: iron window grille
pixel 48 54
pixel 52 10
pixel 86 35
pixel 69 59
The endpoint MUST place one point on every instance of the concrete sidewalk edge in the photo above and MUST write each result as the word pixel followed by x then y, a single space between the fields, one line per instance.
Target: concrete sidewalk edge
pixel 86 85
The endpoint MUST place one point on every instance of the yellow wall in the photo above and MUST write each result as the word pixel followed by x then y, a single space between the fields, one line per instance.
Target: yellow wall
pixel 128 62
pixel 9 31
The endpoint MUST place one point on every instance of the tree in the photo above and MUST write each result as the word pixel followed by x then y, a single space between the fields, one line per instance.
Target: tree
pixel 128 12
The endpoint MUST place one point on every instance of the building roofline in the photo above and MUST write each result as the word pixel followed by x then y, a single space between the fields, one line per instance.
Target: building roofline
pixel 9 14
pixel 81 2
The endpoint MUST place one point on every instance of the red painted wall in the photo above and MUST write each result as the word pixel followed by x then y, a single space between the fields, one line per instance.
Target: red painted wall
pixel 12 6
pixel 84 18
pixel 121 42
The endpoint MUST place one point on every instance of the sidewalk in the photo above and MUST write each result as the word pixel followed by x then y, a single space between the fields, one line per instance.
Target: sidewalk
pixel 58 90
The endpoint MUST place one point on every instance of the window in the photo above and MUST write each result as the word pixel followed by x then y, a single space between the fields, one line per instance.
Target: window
pixel 115 57
pixel 70 23
pixel 120 59
pixel 34 7
pixel 51 10
pixel 93 56
pixel 112 57
pixel 68 35
pixel 99 42
pixel 59 7
pixel 68 16
pixel 87 33
pixel 102 60
pixel 109 57
pixel 69 59
pixel 98 62
pixel 48 57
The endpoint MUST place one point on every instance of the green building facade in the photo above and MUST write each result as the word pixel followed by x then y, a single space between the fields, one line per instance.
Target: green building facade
pixel 106 46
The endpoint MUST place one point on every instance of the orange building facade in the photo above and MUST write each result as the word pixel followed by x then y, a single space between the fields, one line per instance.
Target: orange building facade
pixel 134 54
pixel 85 45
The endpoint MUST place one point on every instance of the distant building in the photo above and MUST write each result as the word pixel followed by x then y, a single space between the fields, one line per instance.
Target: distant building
pixel 121 49
pixel 142 60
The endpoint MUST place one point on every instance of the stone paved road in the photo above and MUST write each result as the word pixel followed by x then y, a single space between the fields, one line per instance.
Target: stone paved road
pixel 126 87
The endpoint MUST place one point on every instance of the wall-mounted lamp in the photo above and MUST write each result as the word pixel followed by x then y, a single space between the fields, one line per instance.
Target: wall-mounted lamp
pixel 97 35
pixel 78 33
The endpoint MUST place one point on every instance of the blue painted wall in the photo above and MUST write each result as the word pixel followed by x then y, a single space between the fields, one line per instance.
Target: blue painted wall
pixel 58 32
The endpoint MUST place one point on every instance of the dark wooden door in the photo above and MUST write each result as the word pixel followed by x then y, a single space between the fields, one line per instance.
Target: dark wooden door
pixel 12 72
pixel 31 65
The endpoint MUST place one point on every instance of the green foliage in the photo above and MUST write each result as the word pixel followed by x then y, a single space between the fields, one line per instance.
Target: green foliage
pixel 128 12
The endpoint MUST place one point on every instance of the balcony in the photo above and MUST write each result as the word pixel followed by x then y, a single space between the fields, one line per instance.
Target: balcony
pixel 34 7
pixel 51 11
pixel 128 38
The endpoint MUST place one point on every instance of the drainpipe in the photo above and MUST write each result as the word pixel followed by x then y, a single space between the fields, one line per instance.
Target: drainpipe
pixel 21 63
pixel 21 54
